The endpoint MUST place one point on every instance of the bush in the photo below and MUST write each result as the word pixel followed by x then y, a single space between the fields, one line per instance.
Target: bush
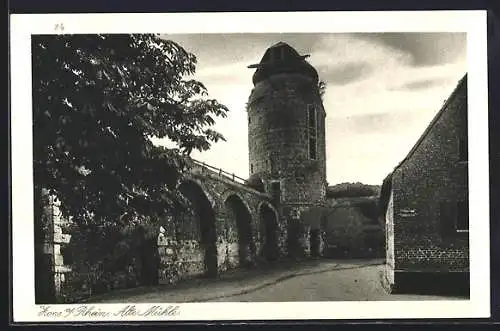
pixel 347 190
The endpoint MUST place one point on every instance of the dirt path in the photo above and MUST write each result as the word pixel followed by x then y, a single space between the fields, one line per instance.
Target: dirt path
pixel 321 280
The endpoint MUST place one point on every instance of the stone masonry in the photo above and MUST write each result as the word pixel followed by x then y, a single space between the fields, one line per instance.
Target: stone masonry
pixel 286 135
pixel 237 214
pixel 234 224
pixel 427 211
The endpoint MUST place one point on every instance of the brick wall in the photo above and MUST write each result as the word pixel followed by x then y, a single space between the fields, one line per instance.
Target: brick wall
pixel 431 177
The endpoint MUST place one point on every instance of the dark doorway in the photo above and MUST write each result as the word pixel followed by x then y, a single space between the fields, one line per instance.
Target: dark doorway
pixel 204 218
pixel 294 232
pixel 268 233
pixel 241 217
pixel 314 241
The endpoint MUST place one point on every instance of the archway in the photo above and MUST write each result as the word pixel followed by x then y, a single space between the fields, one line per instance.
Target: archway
pixel 200 225
pixel 268 228
pixel 314 219
pixel 240 216
pixel 314 241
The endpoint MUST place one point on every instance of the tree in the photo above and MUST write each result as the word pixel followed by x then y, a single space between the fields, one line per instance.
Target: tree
pixel 97 101
pixel 345 190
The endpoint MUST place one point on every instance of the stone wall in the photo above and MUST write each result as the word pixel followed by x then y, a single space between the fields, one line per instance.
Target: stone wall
pixel 278 137
pixel 233 224
pixel 55 242
pixel 432 177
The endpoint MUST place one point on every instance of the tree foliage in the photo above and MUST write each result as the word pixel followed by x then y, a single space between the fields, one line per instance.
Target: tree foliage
pixel 97 101
pixel 322 88
pixel 349 190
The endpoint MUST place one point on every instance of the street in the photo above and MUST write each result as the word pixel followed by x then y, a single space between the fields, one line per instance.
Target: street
pixel 322 280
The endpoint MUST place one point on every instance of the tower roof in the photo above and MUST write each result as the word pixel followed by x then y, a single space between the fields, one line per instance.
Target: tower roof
pixel 282 58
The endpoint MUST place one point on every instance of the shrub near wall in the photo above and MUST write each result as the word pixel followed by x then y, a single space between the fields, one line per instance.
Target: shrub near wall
pixel 352 229
pixel 101 263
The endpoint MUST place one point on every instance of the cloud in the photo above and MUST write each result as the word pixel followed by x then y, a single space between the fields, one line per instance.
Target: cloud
pixel 382 91
pixel 402 123
pixel 221 49
pixel 425 49
pixel 345 73
pixel 421 84
pixel 226 74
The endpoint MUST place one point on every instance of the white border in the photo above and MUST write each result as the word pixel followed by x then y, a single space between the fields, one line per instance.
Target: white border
pixel 471 22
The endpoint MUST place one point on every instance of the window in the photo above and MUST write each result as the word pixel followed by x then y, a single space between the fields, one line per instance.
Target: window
pixel 454 217
pixel 311 116
pixel 462 221
pixel 446 219
pixel 312 131
pixel 312 148
pixel 251 168
pixel 249 120
pixel 463 149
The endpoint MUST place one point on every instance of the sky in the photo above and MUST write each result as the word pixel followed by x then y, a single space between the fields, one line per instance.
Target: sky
pixel 382 91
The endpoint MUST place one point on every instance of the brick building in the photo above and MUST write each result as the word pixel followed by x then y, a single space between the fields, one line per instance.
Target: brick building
pixel 286 135
pixel 425 205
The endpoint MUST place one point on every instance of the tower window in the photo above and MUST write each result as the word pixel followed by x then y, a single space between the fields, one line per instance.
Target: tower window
pixel 251 168
pixel 312 131
pixel 312 149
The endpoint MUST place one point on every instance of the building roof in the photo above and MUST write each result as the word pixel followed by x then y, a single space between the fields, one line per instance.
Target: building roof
pixel 288 53
pixel 387 183
pixel 282 58
pixel 461 84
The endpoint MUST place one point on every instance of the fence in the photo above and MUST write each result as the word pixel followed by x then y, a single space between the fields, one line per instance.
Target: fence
pixel 221 173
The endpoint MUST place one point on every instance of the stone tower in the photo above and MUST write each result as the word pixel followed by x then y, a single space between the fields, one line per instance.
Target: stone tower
pixel 286 136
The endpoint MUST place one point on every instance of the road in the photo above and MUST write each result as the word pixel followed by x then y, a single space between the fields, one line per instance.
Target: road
pixel 324 280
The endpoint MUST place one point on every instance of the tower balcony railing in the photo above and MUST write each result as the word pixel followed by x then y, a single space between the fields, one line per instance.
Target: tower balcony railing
pixel 220 172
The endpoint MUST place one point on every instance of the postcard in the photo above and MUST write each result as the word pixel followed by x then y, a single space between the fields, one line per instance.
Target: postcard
pixel 249 166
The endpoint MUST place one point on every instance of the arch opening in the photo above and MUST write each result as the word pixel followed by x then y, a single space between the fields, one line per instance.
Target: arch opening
pixel 314 241
pixel 241 218
pixel 199 225
pixel 268 228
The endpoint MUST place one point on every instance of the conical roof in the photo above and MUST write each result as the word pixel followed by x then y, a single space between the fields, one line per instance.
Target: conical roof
pixel 282 58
